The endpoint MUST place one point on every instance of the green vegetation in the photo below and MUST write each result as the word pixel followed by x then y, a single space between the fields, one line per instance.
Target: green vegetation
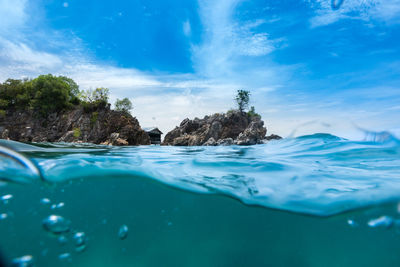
pixel 252 112
pixel 123 105
pixel 47 94
pixel 77 132
pixel 242 99
pixel 2 113
pixel 94 99
pixel 94 118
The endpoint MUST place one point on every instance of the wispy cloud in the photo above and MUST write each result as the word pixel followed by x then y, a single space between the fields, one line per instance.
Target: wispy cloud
pixel 19 57
pixel 387 11
pixel 226 40
pixel 12 14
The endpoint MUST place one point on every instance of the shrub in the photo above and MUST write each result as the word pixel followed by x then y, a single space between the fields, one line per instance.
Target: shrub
pixel 123 105
pixel 77 132
pixel 95 96
pixel 253 113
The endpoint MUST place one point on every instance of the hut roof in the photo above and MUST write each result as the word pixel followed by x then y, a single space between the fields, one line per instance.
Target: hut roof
pixel 153 130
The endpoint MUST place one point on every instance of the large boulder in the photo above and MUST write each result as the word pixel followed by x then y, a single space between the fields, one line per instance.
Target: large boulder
pixel 233 127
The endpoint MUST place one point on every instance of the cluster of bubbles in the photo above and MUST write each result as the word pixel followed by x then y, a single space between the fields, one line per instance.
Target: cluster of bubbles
pixel 58 226
pixel 24 261
pixel 5 199
pixel 383 221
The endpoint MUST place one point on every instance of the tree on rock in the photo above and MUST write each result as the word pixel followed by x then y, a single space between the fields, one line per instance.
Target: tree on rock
pixel 93 99
pixel 123 105
pixel 242 99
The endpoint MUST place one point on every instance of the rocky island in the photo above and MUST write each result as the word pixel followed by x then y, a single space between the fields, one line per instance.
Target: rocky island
pixel 100 126
pixel 233 128
pixel 53 109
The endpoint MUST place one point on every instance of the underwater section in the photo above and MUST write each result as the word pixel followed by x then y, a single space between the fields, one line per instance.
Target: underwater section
pixel 141 222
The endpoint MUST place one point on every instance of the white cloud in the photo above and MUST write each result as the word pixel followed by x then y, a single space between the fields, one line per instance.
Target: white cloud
pixel 21 57
pixel 226 40
pixel 12 14
pixel 387 11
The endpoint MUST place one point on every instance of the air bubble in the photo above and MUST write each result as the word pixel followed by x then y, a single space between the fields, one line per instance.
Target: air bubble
pixel 80 241
pixel 45 201
pixel 352 223
pixel 56 224
pixel 24 261
pixel 6 198
pixel 383 221
pixel 3 216
pixel 65 257
pixel 79 238
pixel 123 232
pixel 57 206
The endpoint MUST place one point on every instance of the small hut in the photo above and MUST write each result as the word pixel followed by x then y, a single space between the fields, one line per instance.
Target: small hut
pixel 154 134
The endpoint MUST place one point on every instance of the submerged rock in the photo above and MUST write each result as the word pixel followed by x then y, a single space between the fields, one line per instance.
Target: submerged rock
pixel 234 127
pixel 99 126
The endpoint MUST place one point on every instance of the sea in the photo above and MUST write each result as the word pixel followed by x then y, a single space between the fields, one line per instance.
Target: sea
pixel 315 200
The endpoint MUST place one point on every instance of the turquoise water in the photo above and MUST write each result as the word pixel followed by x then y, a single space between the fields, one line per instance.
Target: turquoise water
pixel 316 200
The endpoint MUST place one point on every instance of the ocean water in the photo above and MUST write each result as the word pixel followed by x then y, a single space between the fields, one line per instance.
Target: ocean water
pixel 316 200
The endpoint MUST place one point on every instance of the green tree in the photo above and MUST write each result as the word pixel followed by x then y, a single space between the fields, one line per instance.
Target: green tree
pixel 242 99
pixel 123 105
pixel 47 93
pixel 12 92
pixel 51 94
pixel 73 87
pixel 73 91
pixel 97 96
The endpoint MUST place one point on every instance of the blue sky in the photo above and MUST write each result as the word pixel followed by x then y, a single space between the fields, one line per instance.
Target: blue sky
pixel 310 68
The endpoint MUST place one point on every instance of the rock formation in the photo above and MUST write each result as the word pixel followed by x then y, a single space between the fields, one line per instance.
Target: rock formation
pixel 231 128
pixel 99 126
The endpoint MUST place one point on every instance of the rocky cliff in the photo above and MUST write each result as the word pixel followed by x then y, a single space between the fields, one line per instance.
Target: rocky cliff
pixel 219 129
pixel 98 126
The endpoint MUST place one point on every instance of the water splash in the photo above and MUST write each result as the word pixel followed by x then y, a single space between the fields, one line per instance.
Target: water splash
pixel 11 162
